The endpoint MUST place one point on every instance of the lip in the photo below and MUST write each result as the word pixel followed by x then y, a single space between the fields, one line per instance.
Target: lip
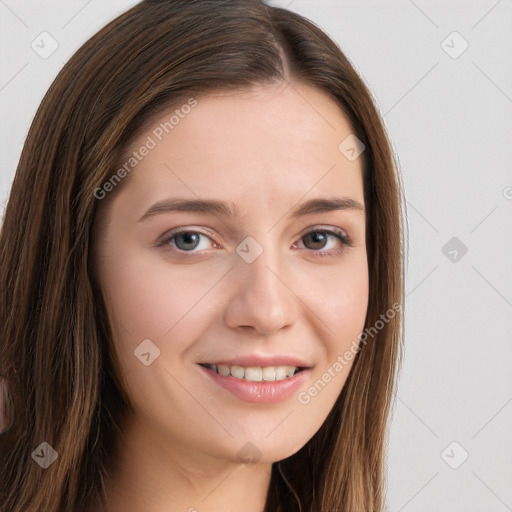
pixel 259 392
pixel 262 360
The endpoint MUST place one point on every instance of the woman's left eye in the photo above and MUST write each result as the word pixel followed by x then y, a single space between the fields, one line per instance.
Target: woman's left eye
pixel 187 241
pixel 320 236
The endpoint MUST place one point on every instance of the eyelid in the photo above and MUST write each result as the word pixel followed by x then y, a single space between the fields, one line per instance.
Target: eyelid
pixel 326 229
pixel 168 235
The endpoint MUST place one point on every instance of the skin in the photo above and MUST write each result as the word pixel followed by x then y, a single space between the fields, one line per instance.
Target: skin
pixel 267 150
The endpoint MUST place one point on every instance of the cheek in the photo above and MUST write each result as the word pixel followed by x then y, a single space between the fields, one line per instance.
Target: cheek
pixel 340 298
pixel 342 304
pixel 153 301
pixel 349 305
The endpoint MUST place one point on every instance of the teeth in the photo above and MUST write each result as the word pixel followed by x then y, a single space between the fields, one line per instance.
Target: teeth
pixel 255 373
pixel 237 371
pixel 268 373
pixel 223 370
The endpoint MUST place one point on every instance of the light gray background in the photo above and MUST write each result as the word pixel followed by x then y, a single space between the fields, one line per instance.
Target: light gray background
pixel 450 122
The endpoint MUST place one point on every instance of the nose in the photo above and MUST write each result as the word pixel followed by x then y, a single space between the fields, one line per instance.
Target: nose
pixel 262 299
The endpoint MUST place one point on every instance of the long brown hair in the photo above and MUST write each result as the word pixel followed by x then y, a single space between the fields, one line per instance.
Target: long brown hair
pixel 56 349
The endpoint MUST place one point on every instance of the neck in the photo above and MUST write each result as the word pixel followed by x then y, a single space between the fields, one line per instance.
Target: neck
pixel 154 474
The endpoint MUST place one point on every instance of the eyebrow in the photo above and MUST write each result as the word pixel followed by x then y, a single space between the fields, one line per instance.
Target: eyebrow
pixel 230 209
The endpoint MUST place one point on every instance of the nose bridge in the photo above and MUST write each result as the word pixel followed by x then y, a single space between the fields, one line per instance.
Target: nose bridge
pixel 259 276
pixel 261 299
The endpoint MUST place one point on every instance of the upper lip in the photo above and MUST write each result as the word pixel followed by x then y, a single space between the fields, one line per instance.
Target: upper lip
pixel 261 360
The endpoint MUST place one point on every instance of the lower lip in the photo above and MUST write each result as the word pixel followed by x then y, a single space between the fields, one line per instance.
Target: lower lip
pixel 259 392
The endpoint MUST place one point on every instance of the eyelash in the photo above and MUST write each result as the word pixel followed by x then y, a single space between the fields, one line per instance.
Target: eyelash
pixel 340 235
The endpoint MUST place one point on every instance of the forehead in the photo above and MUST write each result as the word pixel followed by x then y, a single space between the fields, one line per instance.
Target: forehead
pixel 249 146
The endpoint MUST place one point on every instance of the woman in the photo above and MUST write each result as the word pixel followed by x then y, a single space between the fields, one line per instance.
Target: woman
pixel 255 373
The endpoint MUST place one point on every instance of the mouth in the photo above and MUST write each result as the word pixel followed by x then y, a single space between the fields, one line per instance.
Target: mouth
pixel 257 384
pixel 255 373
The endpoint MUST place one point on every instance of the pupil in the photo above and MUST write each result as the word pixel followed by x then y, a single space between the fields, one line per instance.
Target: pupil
pixel 188 237
pixel 318 238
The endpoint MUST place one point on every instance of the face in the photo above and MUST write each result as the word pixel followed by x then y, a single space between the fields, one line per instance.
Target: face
pixel 271 287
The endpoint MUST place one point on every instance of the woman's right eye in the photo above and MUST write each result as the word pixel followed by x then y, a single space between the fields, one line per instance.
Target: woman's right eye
pixel 184 240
